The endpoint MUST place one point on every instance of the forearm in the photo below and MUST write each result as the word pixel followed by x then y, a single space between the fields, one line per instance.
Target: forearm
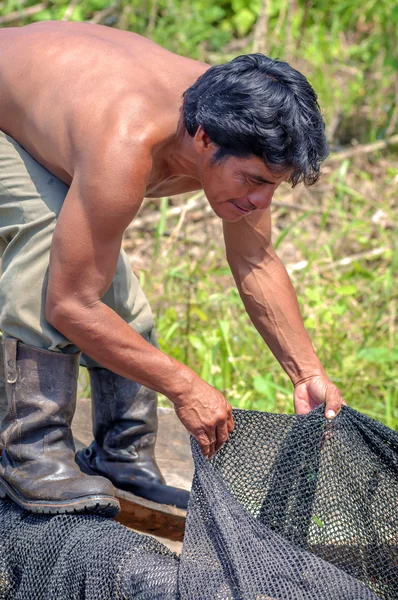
pixel 272 305
pixel 100 333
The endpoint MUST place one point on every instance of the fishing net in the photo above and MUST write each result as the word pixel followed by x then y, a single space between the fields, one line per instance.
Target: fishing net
pixel 291 508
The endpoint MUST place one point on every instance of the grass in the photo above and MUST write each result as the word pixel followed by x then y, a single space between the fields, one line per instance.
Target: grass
pixel 343 229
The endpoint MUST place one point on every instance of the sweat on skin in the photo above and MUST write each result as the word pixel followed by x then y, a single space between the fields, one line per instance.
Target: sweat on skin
pixel 101 109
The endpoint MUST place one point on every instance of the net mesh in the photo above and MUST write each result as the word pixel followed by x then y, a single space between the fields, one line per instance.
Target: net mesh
pixel 295 508
pixel 291 508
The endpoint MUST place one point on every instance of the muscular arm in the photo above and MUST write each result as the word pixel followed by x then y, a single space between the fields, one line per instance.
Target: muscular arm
pixel 268 294
pixel 105 194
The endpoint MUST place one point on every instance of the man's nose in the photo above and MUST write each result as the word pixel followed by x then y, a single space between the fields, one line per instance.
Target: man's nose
pixel 262 198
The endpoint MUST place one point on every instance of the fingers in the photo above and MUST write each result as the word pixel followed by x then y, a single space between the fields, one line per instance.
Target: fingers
pixel 230 423
pixel 221 435
pixel 223 429
pixel 205 444
pixel 334 401
pixel 215 437
pixel 318 390
pixel 212 450
pixel 207 415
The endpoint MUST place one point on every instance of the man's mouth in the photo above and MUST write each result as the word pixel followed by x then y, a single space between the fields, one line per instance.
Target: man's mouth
pixel 242 210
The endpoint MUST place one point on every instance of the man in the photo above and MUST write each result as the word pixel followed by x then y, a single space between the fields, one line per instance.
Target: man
pixel 92 120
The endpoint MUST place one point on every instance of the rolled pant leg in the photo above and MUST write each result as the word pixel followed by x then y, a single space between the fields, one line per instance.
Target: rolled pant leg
pixel 31 199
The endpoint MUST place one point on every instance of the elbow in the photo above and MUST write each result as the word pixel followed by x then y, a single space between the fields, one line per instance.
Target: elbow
pixel 68 313
pixel 54 313
pixel 60 312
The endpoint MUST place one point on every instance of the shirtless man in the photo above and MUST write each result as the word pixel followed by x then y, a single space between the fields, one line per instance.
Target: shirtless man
pixel 90 123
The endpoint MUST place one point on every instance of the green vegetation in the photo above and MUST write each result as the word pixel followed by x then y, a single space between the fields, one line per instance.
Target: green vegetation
pixel 343 265
pixel 338 239
pixel 347 48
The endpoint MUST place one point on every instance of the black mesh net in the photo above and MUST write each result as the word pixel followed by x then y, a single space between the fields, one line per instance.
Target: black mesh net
pixel 292 508
pixel 295 508
pixel 69 557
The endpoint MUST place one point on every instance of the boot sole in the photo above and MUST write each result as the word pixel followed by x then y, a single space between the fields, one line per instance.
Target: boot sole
pixel 160 494
pixel 105 506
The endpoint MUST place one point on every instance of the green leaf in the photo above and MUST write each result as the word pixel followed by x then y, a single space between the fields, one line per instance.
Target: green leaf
pixel 339 309
pixel 44 15
pixel 309 323
pixel 261 385
pixel 318 521
pixel 198 344
pixel 378 355
pixel 347 290
pixel 243 21
pixel 313 294
pixel 199 313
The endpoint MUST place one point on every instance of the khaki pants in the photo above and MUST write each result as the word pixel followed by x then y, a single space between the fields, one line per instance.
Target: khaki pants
pixel 31 199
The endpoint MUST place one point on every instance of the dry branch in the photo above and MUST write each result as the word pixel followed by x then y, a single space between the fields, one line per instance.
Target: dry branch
pixel 198 201
pixel 288 27
pixel 362 149
pixel 347 260
pixel 176 231
pixel 260 30
pixel 238 44
pixel 22 14
pixel 99 16
pixel 281 19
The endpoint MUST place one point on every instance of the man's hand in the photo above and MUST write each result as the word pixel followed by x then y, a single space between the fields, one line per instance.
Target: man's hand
pixel 207 415
pixel 308 394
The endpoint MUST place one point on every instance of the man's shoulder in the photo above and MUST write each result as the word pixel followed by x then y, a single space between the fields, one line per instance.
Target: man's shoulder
pixel 127 127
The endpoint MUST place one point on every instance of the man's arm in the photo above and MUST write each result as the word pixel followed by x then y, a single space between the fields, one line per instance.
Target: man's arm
pixel 105 194
pixel 271 302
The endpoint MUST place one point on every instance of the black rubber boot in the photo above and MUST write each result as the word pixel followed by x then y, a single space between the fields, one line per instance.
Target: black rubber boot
pixel 37 468
pixel 125 426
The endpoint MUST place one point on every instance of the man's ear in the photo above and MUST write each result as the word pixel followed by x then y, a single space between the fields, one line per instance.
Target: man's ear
pixel 202 142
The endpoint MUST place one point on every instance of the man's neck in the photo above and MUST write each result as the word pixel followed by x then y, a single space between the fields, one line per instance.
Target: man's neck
pixel 178 154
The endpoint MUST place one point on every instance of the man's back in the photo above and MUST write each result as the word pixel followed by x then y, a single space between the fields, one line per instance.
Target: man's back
pixel 61 84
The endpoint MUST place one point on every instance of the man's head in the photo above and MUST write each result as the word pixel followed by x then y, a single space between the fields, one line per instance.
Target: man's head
pixel 255 122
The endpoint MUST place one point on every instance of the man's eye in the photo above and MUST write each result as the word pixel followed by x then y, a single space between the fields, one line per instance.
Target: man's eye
pixel 255 182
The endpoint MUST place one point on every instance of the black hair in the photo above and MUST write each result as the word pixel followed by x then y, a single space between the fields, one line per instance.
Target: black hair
pixel 258 106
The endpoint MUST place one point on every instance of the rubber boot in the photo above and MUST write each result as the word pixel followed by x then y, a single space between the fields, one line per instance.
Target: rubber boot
pixel 124 427
pixel 37 468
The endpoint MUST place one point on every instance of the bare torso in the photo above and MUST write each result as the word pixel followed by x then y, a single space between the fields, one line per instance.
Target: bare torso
pixel 61 85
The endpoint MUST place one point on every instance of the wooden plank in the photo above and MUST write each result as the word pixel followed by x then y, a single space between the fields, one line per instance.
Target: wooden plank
pixel 173 456
pixel 150 517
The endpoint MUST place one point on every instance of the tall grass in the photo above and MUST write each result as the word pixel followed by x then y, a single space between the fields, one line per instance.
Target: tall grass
pixel 347 292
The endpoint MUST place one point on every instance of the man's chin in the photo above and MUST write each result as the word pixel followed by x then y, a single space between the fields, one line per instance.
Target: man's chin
pixel 232 219
pixel 226 215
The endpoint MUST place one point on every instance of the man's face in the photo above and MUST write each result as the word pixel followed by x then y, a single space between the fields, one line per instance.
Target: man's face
pixel 236 186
